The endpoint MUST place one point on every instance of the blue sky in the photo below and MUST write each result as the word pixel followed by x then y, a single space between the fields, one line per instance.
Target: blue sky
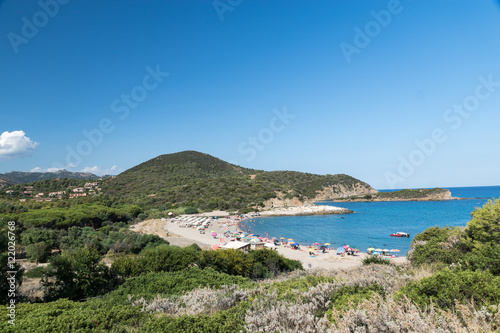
pixel 399 94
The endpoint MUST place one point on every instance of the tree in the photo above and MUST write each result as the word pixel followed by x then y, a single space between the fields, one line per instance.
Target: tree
pixel 484 227
pixel 37 235
pixel 38 251
pixel 77 275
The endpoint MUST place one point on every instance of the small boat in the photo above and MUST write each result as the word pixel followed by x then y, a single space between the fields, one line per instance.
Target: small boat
pixel 400 234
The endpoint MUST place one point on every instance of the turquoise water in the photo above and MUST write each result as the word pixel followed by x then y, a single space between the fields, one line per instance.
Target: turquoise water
pixel 372 222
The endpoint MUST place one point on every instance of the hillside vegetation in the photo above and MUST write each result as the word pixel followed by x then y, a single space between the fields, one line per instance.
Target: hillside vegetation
pixel 103 277
pixel 453 285
pixel 18 177
pixel 195 179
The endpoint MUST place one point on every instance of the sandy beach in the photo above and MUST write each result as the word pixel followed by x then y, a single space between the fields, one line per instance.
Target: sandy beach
pixel 184 236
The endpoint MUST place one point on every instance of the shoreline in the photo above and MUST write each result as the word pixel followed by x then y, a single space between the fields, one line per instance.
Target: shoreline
pixel 304 211
pixel 185 236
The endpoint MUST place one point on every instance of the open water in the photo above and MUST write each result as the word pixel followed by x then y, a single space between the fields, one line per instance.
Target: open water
pixel 373 222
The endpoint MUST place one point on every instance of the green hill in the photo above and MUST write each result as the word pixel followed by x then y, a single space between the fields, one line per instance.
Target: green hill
pixel 196 179
pixel 19 177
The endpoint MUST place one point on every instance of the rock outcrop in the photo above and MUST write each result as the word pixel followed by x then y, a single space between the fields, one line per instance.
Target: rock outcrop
pixel 340 191
pixel 282 206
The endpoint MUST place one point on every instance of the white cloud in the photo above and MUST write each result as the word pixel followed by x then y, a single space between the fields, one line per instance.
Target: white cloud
pixel 38 169
pixel 54 169
pixel 91 169
pixel 98 171
pixel 16 144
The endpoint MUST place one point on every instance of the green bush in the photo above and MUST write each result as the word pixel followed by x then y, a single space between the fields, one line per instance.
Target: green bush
pixel 39 251
pixel 36 272
pixel 254 264
pixel 342 298
pixel 37 235
pixel 77 275
pixel 163 258
pixel 484 227
pixel 485 257
pixel 440 245
pixel 149 285
pixel 190 210
pixel 446 286
pixel 375 260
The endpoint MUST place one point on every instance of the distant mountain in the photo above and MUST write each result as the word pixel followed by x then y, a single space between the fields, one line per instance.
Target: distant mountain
pixel 19 177
pixel 191 178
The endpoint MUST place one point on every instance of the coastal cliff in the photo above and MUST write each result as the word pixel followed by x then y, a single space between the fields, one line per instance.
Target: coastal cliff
pixel 435 194
pixel 333 192
pixel 283 206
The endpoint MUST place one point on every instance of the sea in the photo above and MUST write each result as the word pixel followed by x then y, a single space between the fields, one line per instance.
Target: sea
pixel 373 222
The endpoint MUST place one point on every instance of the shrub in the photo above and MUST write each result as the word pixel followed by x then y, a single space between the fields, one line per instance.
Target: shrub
pixel 163 258
pixel 484 227
pixel 375 260
pixel 486 257
pixel 77 275
pixel 436 245
pixel 344 296
pixel 36 272
pixel 150 285
pixel 446 286
pixel 39 251
pixel 190 210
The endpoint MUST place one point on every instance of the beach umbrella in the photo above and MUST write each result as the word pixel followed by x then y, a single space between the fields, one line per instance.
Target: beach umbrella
pixel 345 246
pixel 395 250
pixel 370 249
pixel 340 249
pixel 214 234
pixel 385 250
pixel 327 244
pixel 378 250
pixel 282 238
pixel 317 243
pixel 290 239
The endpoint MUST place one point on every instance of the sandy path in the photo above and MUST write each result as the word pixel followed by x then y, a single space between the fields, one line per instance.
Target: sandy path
pixel 187 236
